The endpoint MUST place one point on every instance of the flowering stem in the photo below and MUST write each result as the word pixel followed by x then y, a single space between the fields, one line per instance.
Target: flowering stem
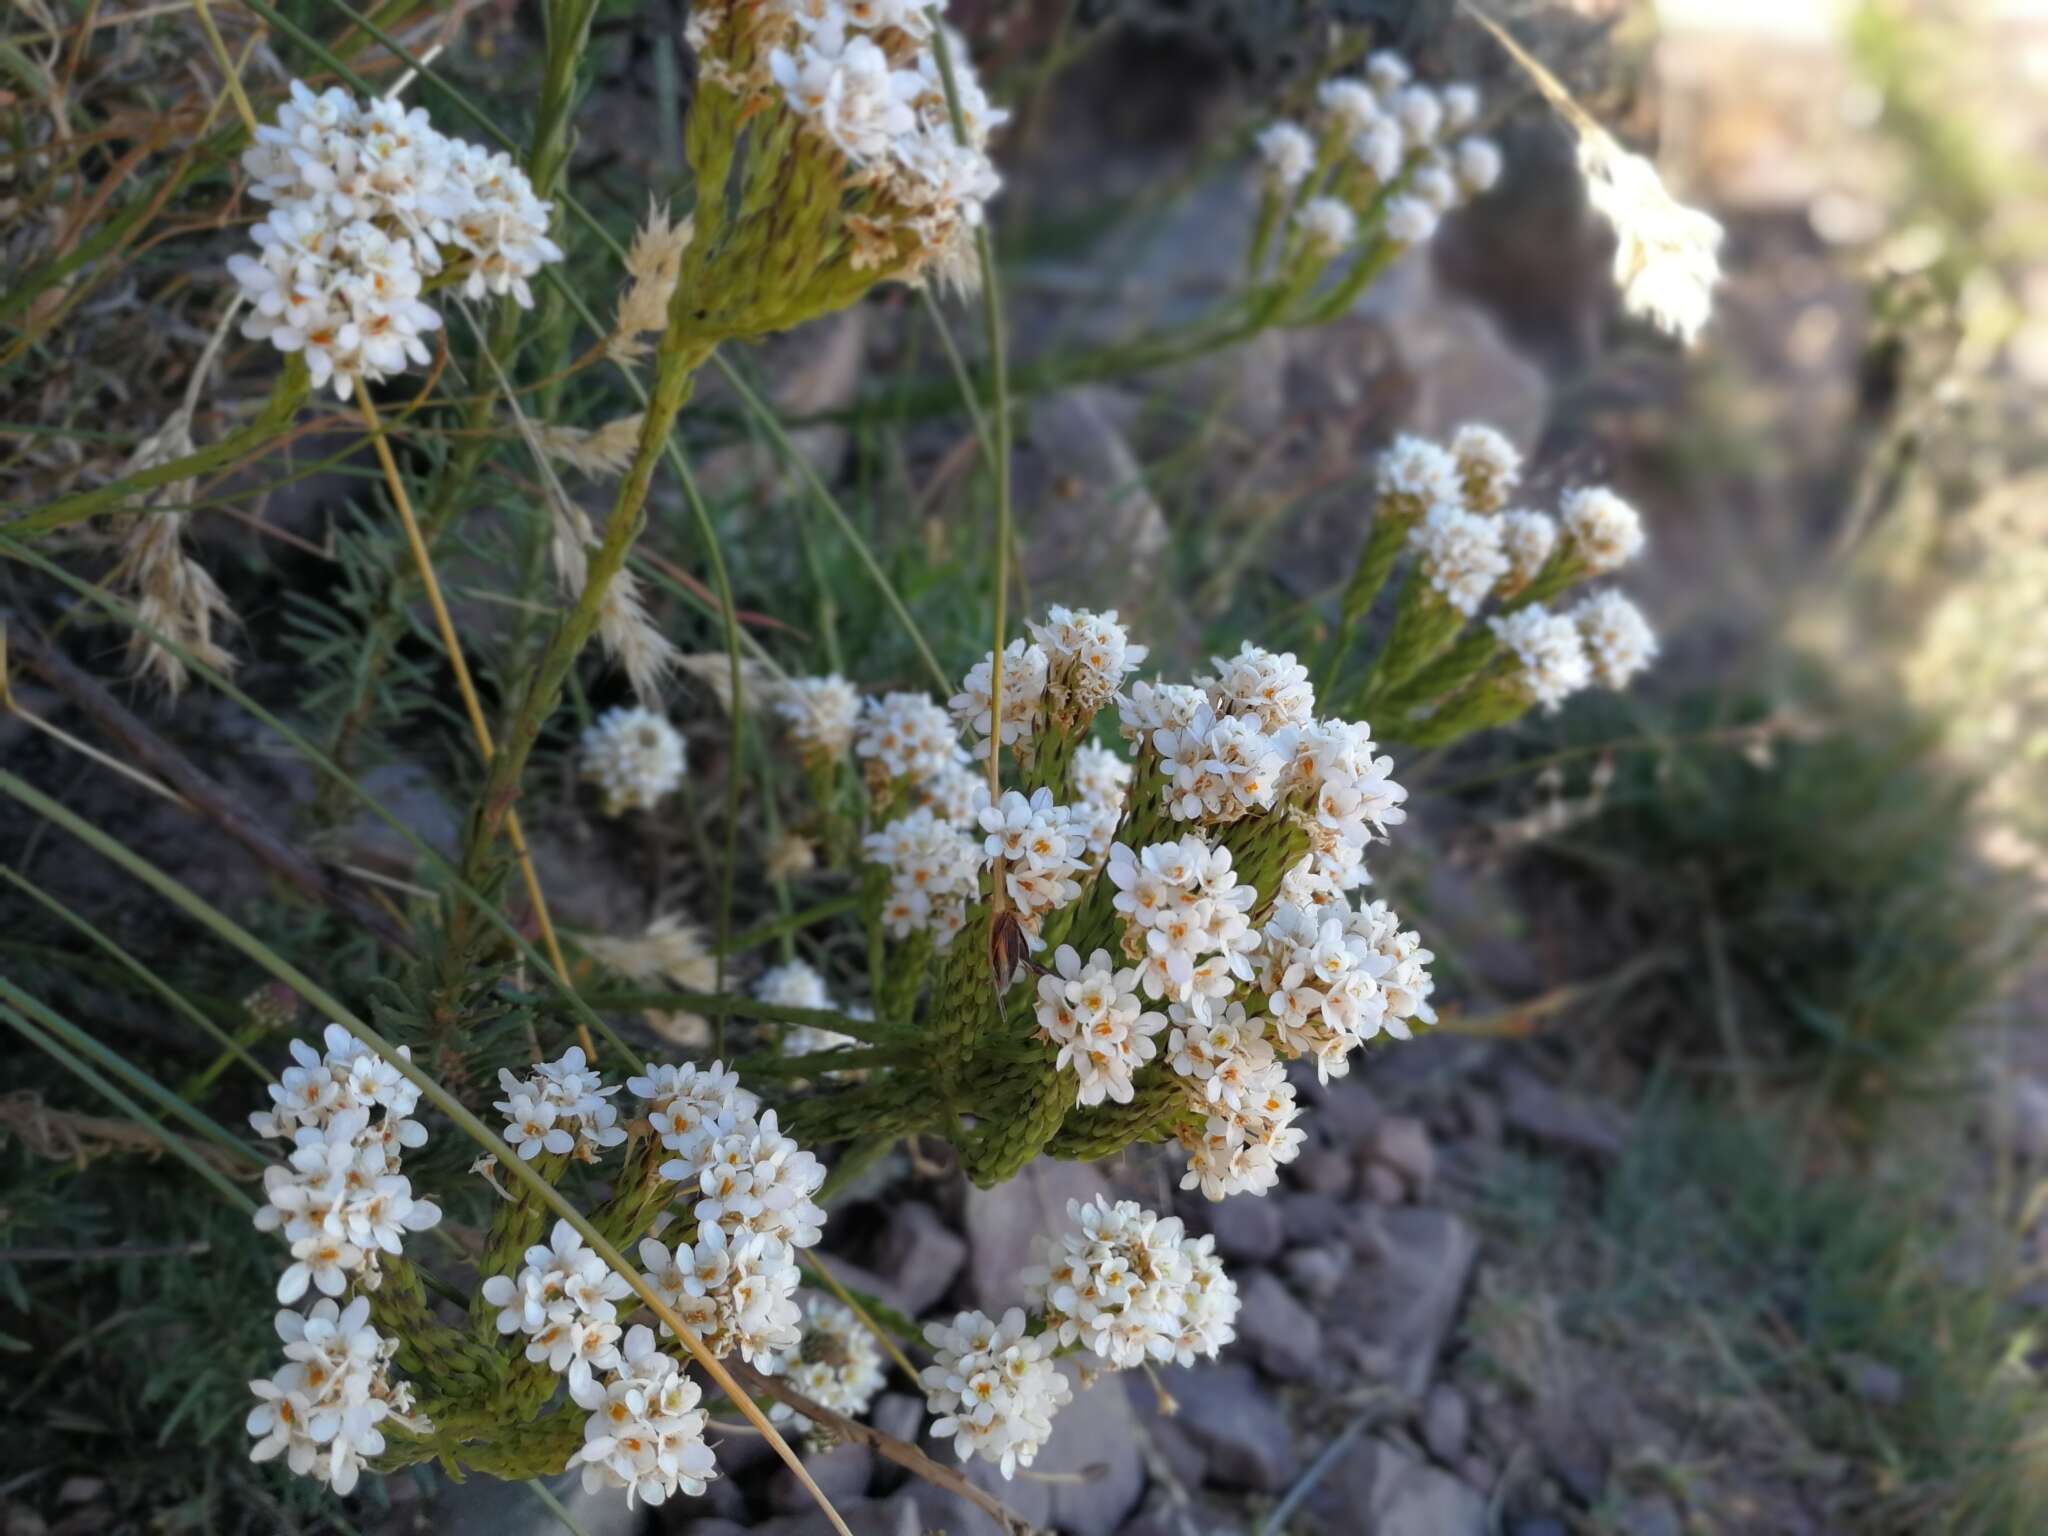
pixel 463 1119
pixel 431 585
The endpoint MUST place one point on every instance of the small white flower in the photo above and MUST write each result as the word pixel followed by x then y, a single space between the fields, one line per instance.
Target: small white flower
pixel 1460 555
pixel 635 757
pixel 835 1361
pixel 1420 113
pixel 1461 106
pixel 1604 530
pixel 1388 72
pixel 906 736
pixel 1550 657
pixel 1619 641
pixel 1349 103
pixel 1419 475
pixel 1093 1014
pixel 1380 148
pixel 1132 1288
pixel 1289 155
pixel 994 1388
pixel 561 1109
pixel 1490 466
pixel 1477 164
pixel 1327 225
pixel 820 712
pixel 1527 538
pixel 1410 220
pixel 1025 666
pixel 1666 255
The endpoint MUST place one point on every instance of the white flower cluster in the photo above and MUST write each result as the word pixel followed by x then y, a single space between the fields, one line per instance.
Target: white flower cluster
pixel 1398 151
pixel 561 1109
pixel 1131 1287
pixel 634 757
pixel 339 1197
pixel 1101 781
pixel 1249 1130
pixel 1043 850
pixel 1460 555
pixel 1415 474
pixel 934 872
pixel 1604 532
pixel 906 736
pixel 645 1432
pixel 321 1411
pixel 1094 1015
pixel 1334 982
pixel 565 1300
pixel 1025 668
pixel 994 1387
pixel 821 713
pixel 371 200
pixel 735 1284
pixel 1088 655
pixel 795 984
pixel 1666 255
pixel 956 794
pixel 835 1362
pixel 1186 921
pixel 866 77
pixel 1604 639
pixel 1528 539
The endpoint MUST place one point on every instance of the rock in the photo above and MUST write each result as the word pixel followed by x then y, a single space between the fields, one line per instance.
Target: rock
pixel 1171 1443
pixel 1309 1217
pixel 842 1472
pixel 486 1507
pixel 713 1526
pixel 1316 1272
pixel 1384 1186
pixel 1446 1423
pixel 1094 527
pixel 1282 1334
pixel 898 1414
pixel 408 793
pixel 901 1515
pixel 2030 1119
pixel 919 1254
pixel 1237 1426
pixel 723 1499
pixel 1345 1109
pixel 1248 1229
pixel 817 372
pixel 865 1282
pixel 1535 1109
pixel 1385 1491
pixel 1325 1170
pixel 1482 1115
pixel 1538 1525
pixel 1871 1380
pixel 1003 1223
pixel 1651 1516
pixel 1402 1143
pixel 1095 1466
pixel 1402 1296
pixel 1571 1451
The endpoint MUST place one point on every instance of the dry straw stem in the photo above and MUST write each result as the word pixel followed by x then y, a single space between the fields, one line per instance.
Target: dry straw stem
pixel 322 1000
pixel 432 586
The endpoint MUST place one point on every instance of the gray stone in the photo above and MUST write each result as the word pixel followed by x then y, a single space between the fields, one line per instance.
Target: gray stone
pixel 1403 1295
pixel 1446 1423
pixel 486 1507
pixel 919 1254
pixel 903 1514
pixel 1094 525
pixel 1248 1228
pixel 408 793
pixel 2030 1119
pixel 1536 1110
pixel 1402 1143
pixel 1538 1525
pixel 1316 1272
pixel 898 1414
pixel 1237 1426
pixel 1309 1217
pixel 1345 1110
pixel 1871 1380
pixel 1183 1461
pixel 841 1472
pixel 1482 1114
pixel 1653 1515
pixel 1572 1452
pixel 723 1499
pixel 1002 1224
pixel 1282 1335
pixel 1387 1492
pixel 713 1525
pixel 1384 1185
pixel 1325 1170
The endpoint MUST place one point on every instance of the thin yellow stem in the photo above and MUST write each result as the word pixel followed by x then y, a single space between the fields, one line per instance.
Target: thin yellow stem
pixel 860 1314
pixel 467 688
pixel 227 64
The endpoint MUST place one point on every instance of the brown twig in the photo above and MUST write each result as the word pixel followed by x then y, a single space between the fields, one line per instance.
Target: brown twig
pixel 201 793
pixel 902 1452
